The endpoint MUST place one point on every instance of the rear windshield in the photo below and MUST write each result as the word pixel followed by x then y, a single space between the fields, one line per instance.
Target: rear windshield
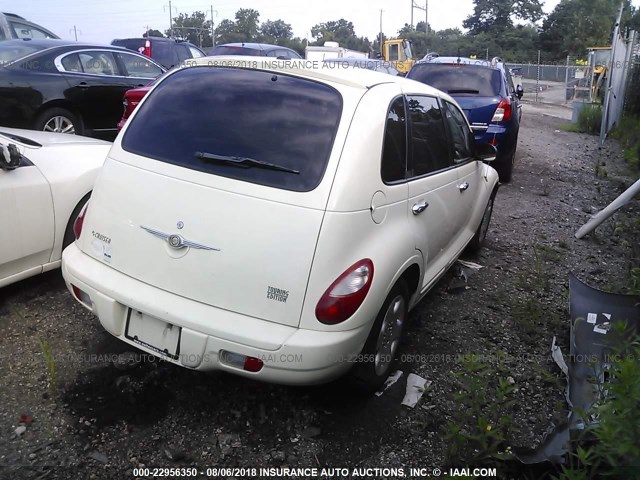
pixel 222 50
pixel 459 80
pixel 161 52
pixel 244 117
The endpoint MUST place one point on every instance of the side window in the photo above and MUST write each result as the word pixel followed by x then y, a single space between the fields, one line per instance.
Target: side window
pixel 24 31
pixel 139 66
pixel 98 63
pixel 394 147
pixel 460 132
pixel 183 53
pixel 71 63
pixel 195 53
pixel 427 137
pixel 393 52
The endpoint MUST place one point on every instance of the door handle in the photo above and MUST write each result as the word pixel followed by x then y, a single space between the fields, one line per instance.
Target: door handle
pixel 419 207
pixel 463 186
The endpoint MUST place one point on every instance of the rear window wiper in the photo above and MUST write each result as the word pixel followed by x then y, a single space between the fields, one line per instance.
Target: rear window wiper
pixel 242 162
pixel 463 90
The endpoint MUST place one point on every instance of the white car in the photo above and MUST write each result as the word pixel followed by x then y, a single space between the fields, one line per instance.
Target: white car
pixel 45 179
pixel 277 222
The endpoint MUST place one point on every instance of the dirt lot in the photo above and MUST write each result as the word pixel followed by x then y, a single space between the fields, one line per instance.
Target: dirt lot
pixel 85 417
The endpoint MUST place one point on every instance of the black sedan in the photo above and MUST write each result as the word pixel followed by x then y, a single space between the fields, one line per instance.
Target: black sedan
pixel 62 86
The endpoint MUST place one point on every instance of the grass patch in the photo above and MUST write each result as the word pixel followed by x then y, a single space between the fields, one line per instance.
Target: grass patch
pixel 627 131
pixel 52 369
pixel 478 433
pixel 590 119
pixel 610 447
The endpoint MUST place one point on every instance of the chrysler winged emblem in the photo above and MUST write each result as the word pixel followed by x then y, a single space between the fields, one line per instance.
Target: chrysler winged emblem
pixel 177 241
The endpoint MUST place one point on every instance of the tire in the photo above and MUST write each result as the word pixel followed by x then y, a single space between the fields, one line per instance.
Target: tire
pixel 377 356
pixel 58 120
pixel 504 166
pixel 481 233
pixel 69 236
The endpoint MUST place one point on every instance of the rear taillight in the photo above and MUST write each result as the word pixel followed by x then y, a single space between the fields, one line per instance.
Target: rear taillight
pixel 503 112
pixel 346 294
pixel 147 48
pixel 77 224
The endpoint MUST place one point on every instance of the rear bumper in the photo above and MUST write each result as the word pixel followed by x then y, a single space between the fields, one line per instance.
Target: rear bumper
pixel 290 355
pixel 502 137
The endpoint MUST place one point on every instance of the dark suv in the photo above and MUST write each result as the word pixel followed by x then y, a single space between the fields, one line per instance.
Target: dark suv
pixel 166 51
pixel 14 26
pixel 488 97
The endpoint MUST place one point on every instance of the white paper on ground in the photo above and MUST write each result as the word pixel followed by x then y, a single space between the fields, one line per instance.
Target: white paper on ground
pixel 416 385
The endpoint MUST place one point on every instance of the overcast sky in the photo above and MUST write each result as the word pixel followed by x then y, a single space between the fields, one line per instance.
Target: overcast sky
pixel 102 21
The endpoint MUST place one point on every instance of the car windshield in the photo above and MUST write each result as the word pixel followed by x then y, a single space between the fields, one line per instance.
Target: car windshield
pixel 458 79
pixel 15 50
pixel 255 126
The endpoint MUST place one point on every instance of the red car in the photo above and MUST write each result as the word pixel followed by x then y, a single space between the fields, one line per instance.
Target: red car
pixel 130 101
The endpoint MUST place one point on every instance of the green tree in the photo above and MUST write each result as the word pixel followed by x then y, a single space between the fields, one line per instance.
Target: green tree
pixel 227 32
pixel 194 28
pixel 247 23
pixel 575 25
pixel 272 31
pixel 496 15
pixel 340 31
pixel 152 32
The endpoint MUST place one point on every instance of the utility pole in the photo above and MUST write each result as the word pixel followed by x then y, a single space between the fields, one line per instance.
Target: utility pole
pixel 426 14
pixel 213 30
pixel 381 35
pixel 75 32
pixel 170 18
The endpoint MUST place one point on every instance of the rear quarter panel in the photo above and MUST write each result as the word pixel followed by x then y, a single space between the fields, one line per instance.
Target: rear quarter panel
pixel 348 232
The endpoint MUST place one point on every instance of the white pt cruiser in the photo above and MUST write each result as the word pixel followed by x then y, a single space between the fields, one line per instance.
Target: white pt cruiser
pixel 279 222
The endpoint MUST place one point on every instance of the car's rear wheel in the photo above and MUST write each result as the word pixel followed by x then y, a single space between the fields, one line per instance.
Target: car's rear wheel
pixel 481 233
pixel 504 166
pixel 58 120
pixel 379 351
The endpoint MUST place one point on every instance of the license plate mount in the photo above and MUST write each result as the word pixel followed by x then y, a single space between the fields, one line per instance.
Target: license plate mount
pixel 150 332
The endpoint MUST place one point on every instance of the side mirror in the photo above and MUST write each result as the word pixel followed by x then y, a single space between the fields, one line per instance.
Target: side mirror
pixel 9 157
pixel 519 91
pixel 486 152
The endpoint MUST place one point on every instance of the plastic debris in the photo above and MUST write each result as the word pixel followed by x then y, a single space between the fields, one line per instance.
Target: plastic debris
pixel 391 379
pixel 416 385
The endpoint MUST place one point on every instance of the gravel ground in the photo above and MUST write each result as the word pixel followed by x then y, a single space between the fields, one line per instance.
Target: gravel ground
pixel 85 417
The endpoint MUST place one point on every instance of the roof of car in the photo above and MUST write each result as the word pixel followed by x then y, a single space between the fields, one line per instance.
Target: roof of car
pixel 51 43
pixel 255 46
pixel 160 39
pixel 460 61
pixel 351 60
pixel 353 77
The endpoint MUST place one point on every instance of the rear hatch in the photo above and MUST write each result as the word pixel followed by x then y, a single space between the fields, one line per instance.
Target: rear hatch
pixel 476 88
pixel 225 165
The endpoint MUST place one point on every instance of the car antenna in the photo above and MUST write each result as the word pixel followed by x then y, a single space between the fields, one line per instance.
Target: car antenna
pixel 459 55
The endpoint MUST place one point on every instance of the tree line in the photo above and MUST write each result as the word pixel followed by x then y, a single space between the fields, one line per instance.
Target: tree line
pixel 515 30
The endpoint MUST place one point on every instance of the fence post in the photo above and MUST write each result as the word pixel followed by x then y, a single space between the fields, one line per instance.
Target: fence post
pixel 566 81
pixel 538 77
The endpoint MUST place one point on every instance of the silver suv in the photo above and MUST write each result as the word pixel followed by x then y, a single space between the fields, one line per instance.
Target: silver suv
pixel 14 26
